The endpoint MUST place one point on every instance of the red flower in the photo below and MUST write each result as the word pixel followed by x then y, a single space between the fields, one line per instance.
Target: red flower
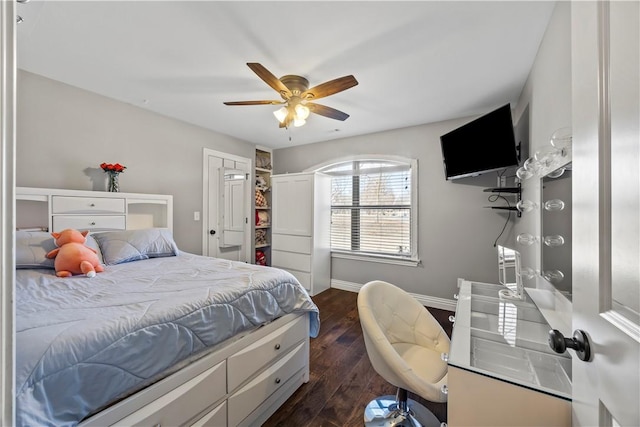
pixel 109 167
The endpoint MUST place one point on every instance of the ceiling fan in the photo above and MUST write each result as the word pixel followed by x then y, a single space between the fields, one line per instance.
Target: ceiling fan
pixel 297 97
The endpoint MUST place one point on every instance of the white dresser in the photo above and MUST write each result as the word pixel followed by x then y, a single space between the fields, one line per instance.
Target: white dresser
pixel 301 222
pixel 56 209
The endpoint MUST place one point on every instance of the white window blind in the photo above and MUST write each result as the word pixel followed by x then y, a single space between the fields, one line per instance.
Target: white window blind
pixel 371 207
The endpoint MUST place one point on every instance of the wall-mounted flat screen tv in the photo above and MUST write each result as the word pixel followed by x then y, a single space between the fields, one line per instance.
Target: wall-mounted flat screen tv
pixel 483 145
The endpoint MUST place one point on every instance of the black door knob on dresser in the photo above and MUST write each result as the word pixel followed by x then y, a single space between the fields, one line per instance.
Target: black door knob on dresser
pixel 579 342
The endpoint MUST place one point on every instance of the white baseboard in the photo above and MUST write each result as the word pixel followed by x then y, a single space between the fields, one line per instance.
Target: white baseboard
pixel 427 301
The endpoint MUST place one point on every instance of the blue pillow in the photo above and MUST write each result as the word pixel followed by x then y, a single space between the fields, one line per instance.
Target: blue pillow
pixel 133 245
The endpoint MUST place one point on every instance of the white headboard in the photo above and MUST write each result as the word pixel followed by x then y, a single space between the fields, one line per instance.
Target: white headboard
pixel 54 209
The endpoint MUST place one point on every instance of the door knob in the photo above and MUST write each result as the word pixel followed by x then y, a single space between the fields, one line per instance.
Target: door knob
pixel 579 342
pixel 212 232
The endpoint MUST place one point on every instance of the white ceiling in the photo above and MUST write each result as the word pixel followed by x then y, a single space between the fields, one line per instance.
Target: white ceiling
pixel 416 62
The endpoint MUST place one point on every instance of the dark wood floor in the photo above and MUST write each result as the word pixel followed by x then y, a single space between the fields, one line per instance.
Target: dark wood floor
pixel 341 380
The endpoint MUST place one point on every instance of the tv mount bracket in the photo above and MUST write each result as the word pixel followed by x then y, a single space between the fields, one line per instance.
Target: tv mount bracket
pixel 516 191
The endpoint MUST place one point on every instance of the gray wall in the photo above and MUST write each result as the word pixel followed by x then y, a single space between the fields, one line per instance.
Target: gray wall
pixel 64 133
pixel 455 231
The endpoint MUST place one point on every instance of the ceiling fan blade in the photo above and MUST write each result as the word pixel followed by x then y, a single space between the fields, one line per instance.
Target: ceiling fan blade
pixel 323 110
pixel 253 102
pixel 270 79
pixel 330 87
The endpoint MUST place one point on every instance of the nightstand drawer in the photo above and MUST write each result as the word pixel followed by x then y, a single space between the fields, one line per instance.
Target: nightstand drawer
pixel 80 205
pixel 89 222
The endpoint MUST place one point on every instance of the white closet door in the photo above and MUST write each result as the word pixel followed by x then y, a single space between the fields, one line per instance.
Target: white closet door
pixel 293 204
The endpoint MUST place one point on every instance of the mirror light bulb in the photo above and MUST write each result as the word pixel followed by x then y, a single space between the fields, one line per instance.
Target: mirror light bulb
pixel 526 205
pixel 532 165
pixel 553 276
pixel 556 173
pixel 562 138
pixel 526 239
pixel 523 173
pixel 554 205
pixel 554 241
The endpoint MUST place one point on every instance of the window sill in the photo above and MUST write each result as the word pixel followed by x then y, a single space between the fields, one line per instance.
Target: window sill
pixel 408 262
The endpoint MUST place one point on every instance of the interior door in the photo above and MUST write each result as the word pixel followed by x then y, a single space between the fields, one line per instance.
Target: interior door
pixel 606 214
pixel 237 246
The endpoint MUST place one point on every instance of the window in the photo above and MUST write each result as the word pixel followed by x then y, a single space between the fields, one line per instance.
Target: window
pixel 373 208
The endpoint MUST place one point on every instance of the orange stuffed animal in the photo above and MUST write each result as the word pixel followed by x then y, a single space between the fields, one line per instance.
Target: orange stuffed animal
pixel 72 256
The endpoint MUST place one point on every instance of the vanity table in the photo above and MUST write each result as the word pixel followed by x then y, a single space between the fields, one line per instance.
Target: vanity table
pixel 501 369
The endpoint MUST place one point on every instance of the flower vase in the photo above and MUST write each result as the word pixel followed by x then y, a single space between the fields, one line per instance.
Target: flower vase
pixel 113 185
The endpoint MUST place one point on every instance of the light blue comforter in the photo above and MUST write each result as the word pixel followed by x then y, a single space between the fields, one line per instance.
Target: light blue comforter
pixel 83 343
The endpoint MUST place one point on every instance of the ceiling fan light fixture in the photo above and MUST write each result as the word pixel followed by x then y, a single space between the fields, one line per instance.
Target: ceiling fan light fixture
pixel 281 114
pixel 302 112
pixel 296 96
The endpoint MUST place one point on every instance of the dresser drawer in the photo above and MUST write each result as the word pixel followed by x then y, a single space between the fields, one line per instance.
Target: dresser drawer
pixel 178 406
pixel 80 205
pixel 245 363
pixel 214 418
pixel 89 222
pixel 303 278
pixel 299 244
pixel 249 397
pixel 291 260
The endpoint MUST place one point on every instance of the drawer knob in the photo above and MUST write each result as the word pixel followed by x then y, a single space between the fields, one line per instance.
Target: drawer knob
pixel 277 347
pixel 92 223
pixel 444 390
pixel 93 205
pixel 278 380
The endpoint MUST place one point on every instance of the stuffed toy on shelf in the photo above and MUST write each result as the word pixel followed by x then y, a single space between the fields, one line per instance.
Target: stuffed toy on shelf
pixel 261 258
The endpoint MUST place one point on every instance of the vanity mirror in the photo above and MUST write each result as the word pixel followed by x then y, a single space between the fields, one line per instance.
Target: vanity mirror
pixel 509 273
pixel 556 229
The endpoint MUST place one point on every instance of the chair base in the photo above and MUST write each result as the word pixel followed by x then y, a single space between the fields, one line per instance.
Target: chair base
pixel 383 412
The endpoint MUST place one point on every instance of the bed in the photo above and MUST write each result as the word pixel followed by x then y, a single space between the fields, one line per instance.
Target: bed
pixel 162 337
